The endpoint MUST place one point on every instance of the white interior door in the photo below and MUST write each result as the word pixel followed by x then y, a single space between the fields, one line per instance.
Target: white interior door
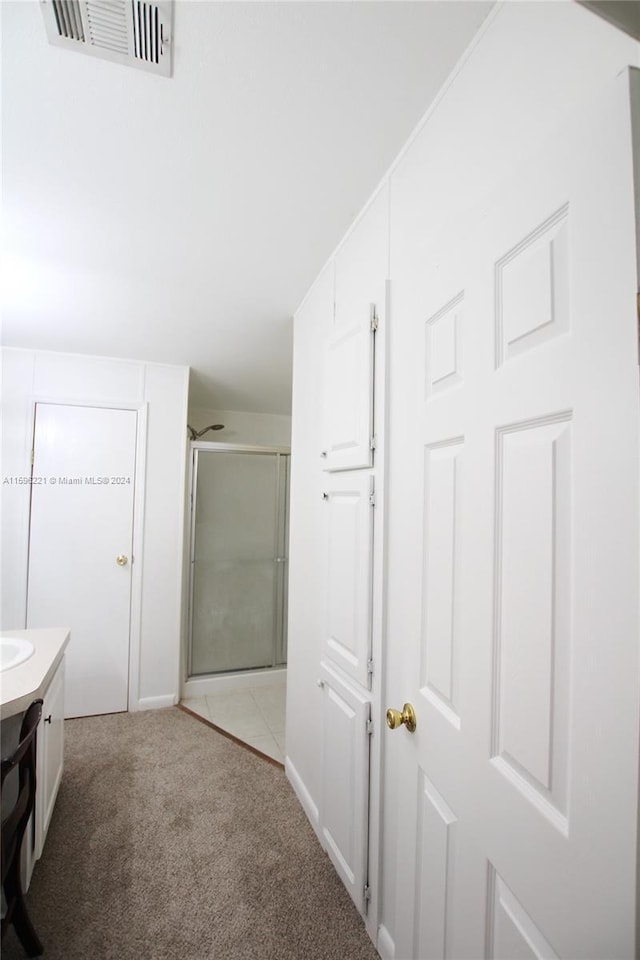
pixel 513 562
pixel 80 545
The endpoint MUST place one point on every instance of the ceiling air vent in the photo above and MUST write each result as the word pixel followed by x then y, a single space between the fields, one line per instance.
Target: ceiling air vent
pixel 132 32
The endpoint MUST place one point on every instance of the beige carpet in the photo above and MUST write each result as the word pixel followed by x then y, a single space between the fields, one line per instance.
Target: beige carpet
pixel 171 842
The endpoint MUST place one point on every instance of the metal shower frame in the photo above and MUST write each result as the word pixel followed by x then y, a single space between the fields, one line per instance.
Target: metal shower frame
pixel 281 559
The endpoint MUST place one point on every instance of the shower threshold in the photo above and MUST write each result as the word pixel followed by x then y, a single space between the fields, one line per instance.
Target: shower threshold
pixel 203 686
pixel 249 705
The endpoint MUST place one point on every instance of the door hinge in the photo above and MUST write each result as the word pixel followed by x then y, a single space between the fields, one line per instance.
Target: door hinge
pixel 372 499
pixel 373 442
pixel 373 317
pixel 370 667
pixel 367 894
pixel 369 727
pixel 33 456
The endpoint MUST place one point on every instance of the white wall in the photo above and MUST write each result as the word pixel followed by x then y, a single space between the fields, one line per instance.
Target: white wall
pixel 529 68
pixel 29 375
pixel 306 546
pixel 255 429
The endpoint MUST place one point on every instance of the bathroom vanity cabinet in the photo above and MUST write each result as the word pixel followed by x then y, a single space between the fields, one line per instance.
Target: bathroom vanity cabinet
pixel 50 757
pixel 42 675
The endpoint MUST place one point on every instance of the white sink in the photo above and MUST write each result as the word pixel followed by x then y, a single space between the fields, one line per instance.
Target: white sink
pixel 14 650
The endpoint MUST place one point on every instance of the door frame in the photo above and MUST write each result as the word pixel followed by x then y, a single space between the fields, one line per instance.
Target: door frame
pixel 137 542
pixel 380 647
pixel 210 446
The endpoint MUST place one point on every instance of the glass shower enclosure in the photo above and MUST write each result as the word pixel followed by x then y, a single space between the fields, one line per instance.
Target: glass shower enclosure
pixel 239 536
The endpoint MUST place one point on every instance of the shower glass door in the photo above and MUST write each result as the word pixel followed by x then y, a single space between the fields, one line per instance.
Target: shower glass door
pixel 238 560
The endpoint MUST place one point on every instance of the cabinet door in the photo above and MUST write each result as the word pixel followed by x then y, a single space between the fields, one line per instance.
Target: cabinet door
pixel 344 807
pixel 348 559
pixel 9 740
pixel 361 270
pixel 50 756
pixel 348 398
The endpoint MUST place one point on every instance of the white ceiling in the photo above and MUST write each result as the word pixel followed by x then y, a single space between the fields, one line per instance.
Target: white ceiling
pixel 182 220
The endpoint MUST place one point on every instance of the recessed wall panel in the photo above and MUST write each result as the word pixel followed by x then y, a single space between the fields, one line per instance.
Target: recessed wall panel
pixel 443 348
pixel 348 572
pixel 344 808
pixel 439 580
pixel 435 842
pixel 511 933
pixel 532 284
pixel 343 372
pixel 531 644
pixel 344 536
pixel 339 717
pixel 348 397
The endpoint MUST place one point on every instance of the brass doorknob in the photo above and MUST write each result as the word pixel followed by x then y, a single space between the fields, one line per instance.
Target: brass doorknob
pixel 122 561
pixel 396 719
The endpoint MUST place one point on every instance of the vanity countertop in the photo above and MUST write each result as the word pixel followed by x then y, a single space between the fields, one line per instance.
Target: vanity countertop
pixel 29 680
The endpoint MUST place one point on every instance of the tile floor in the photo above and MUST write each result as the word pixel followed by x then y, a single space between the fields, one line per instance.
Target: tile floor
pixel 253 714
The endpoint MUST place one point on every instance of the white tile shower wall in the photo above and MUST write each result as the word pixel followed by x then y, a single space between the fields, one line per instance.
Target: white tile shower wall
pixel 256 429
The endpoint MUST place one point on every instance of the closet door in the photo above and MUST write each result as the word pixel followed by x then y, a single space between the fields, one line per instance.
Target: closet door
pixel 514 628
pixel 349 502
pixel 80 546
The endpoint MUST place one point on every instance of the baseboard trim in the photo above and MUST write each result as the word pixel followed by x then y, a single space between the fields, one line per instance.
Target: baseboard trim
pixel 158 703
pixel 302 794
pixel 385 945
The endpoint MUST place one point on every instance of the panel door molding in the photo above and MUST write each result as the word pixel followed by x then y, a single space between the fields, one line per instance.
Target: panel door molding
pixel 348 395
pixel 349 500
pixel 344 806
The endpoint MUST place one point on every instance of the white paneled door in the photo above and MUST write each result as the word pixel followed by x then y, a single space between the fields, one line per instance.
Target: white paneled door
pixel 513 561
pixel 80 546
pixel 361 268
